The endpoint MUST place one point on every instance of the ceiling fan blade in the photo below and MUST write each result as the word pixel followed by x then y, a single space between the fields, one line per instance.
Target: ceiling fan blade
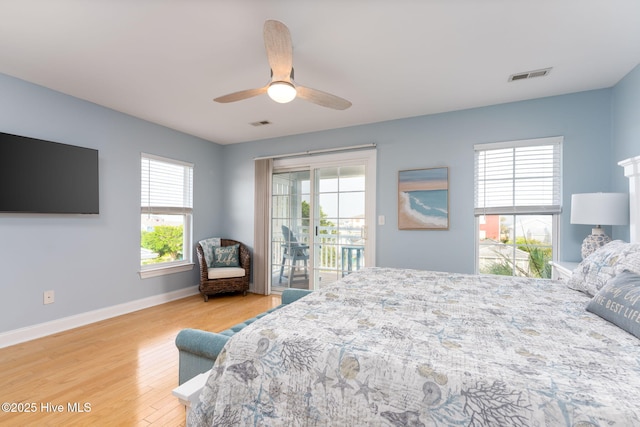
pixel 322 98
pixel 277 41
pixel 239 96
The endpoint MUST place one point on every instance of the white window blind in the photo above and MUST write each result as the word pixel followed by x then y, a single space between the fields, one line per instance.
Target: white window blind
pixel 166 185
pixel 518 177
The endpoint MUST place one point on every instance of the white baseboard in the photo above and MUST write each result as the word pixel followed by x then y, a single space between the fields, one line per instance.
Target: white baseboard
pixel 40 330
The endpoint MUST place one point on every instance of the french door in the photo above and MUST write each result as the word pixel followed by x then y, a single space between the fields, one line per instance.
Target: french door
pixel 322 213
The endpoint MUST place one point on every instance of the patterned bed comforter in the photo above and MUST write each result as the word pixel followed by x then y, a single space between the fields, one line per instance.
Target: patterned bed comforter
pixel 393 347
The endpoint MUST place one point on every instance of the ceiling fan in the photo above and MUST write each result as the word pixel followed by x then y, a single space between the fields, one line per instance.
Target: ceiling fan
pixel 281 88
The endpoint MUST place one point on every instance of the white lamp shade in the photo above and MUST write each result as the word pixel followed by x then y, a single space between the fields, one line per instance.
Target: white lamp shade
pixel 281 92
pixel 600 208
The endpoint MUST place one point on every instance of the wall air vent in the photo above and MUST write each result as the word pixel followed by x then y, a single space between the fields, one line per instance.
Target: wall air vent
pixel 530 74
pixel 260 123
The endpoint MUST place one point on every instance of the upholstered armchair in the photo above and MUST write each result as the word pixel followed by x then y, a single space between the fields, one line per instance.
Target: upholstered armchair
pixel 217 277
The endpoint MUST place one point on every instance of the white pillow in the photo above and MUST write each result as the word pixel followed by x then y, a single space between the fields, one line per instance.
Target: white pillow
pixel 603 265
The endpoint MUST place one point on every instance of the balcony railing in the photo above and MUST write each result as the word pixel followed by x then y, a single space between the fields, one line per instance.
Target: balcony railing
pixel 338 249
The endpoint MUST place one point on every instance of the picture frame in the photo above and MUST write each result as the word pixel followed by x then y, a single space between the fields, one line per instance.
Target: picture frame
pixel 423 199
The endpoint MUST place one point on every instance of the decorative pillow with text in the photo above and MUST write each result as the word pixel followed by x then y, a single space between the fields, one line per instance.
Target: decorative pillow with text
pixel 619 302
pixel 226 256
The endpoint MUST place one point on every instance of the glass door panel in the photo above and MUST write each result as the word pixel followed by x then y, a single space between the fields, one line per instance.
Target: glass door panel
pixel 339 221
pixel 290 210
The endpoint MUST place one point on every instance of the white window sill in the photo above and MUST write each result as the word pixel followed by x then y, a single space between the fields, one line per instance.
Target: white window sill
pixel 163 270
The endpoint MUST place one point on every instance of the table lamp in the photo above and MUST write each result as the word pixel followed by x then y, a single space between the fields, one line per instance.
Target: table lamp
pixel 598 209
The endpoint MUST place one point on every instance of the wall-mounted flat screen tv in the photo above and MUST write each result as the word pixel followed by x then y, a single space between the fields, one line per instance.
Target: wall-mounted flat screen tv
pixel 39 176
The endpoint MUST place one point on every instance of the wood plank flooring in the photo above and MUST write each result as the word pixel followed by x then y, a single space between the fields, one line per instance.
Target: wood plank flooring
pixel 117 372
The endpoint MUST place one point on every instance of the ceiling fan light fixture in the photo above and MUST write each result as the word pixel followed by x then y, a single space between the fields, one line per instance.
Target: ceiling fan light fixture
pixel 282 92
pixel 277 42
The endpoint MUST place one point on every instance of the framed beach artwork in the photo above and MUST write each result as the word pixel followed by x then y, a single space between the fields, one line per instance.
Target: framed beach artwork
pixel 423 199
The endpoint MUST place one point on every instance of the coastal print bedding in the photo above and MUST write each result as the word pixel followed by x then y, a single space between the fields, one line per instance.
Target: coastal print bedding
pixel 394 347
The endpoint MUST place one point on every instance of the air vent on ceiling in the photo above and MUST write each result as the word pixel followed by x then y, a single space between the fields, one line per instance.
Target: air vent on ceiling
pixel 530 74
pixel 260 123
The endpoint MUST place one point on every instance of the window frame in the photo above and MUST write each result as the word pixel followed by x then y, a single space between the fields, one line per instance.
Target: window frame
pixel 186 264
pixel 553 210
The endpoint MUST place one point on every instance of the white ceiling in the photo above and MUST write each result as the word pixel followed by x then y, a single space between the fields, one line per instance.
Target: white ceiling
pixel 165 60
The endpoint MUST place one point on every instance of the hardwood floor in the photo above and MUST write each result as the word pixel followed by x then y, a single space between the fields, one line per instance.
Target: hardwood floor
pixel 118 371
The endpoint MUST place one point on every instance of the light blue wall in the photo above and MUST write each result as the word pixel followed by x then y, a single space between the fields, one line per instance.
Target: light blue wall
pixel 626 133
pixel 447 140
pixel 91 261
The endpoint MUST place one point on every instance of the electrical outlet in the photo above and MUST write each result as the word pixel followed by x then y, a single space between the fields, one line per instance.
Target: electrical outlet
pixel 48 297
pixel 381 220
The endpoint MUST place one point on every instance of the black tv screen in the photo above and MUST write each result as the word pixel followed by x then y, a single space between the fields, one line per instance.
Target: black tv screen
pixel 39 176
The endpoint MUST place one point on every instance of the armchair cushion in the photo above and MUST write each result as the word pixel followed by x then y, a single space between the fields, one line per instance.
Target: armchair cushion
pixel 226 256
pixel 225 272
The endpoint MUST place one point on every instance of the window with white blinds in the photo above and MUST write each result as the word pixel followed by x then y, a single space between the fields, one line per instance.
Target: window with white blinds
pixel 518 177
pixel 167 185
pixel 517 202
pixel 166 205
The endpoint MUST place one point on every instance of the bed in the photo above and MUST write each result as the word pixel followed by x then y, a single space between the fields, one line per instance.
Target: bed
pixel 406 347
pixel 399 347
